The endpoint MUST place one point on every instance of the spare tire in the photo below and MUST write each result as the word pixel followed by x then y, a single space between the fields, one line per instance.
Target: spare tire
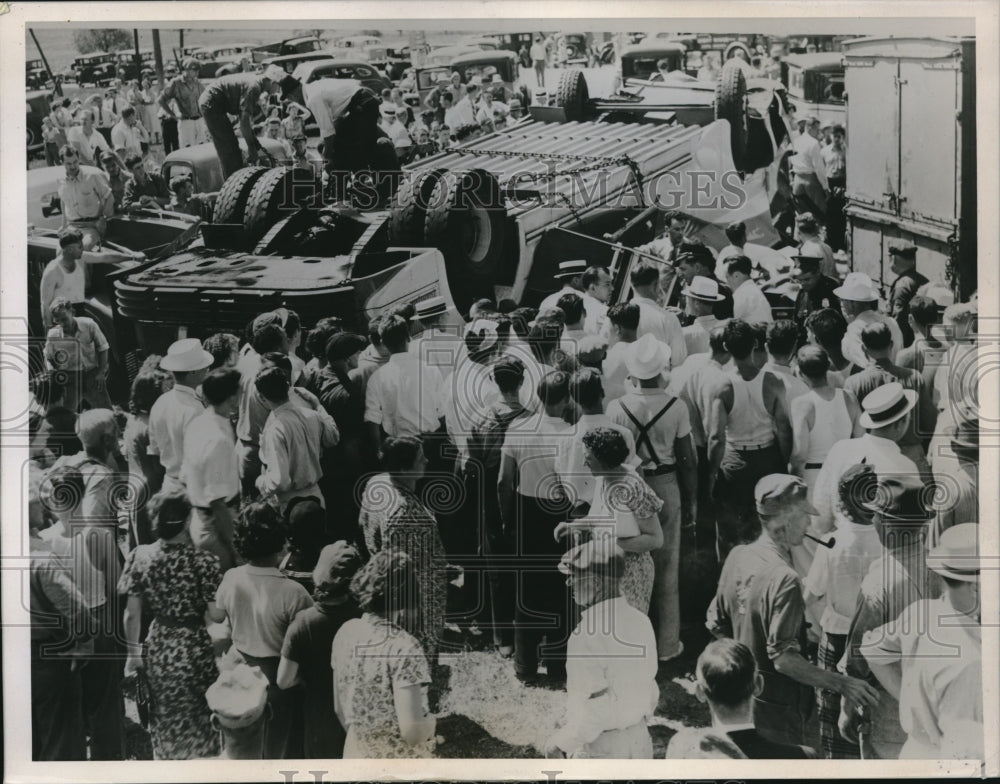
pixel 572 94
pixel 409 207
pixel 278 192
pixel 731 105
pixel 232 199
pixel 465 221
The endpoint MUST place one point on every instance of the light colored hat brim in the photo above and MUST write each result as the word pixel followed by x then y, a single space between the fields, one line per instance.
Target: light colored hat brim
pixel 705 297
pixel 911 400
pixel 850 295
pixel 174 365
pixel 935 564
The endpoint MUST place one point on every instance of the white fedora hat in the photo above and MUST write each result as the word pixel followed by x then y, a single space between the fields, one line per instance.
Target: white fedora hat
pixel 186 356
pixel 704 288
pixel 648 357
pixel 886 405
pixel 432 306
pixel 956 555
pixel 858 287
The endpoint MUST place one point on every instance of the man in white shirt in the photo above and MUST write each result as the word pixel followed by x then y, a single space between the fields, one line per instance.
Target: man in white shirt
pixel 403 397
pixel 209 469
pixel 174 410
pixel 88 143
pixel 571 274
pixel 292 442
pixel 809 183
pixel 532 503
pixel 702 294
pixel 886 417
pixel 611 665
pixel 782 343
pixel 623 320
pixel 128 135
pixel 653 319
pixel 930 657
pixel 769 261
pixel 437 341
pixel 596 292
pixel 397 131
pixel 457 115
pixel 492 113
pixel 749 302
pixel 571 304
pixel 859 304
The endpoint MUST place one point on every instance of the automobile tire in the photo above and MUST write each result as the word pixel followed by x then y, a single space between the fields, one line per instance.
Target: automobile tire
pixel 465 221
pixel 409 207
pixel 230 206
pixel 33 135
pixel 572 94
pixel 731 105
pixel 278 192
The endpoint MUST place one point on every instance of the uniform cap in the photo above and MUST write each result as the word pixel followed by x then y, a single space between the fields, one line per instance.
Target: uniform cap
pixel 904 250
pixel 780 492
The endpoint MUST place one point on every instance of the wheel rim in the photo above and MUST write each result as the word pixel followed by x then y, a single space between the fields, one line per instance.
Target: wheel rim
pixel 477 235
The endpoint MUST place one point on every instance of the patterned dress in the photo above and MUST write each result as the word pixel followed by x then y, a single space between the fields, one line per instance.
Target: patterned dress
pixel 616 498
pixel 372 657
pixel 393 517
pixel 176 582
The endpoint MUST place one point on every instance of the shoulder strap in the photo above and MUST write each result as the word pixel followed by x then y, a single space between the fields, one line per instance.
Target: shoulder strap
pixel 642 439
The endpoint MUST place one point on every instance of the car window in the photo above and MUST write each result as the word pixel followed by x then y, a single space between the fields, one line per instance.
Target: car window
pixel 364 72
pixel 172 168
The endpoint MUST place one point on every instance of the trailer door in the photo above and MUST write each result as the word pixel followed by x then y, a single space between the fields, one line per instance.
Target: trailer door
pixel 873 132
pixel 930 100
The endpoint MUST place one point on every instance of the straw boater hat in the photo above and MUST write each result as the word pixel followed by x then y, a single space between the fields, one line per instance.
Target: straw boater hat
pixel 886 405
pixel 570 269
pixel 647 357
pixel 704 289
pixel 428 308
pixel 858 287
pixel 956 555
pixel 186 356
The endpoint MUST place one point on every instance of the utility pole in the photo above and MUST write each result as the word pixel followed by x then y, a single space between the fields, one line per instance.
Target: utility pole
pixel 158 57
pixel 138 55
pixel 55 81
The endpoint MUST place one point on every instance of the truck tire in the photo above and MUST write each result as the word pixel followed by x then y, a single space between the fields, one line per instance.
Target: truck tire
pixel 278 192
pixel 572 94
pixel 465 221
pixel 731 105
pixel 409 207
pixel 234 193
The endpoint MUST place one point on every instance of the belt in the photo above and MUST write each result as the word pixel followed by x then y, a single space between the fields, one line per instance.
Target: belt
pixel 750 447
pixel 660 470
pixel 192 622
pixel 234 501
pixel 810 466
pixel 198 117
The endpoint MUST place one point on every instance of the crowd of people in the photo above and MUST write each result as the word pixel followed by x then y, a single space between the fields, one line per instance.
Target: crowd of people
pixel 338 509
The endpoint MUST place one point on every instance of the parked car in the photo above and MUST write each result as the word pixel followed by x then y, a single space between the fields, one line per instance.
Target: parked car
pixel 815 85
pixel 363 42
pixel 575 49
pixel 639 60
pixel 212 58
pixel 445 54
pixel 289 62
pixel 97 68
pixel 485 43
pixel 37 107
pixel 474 65
pixel 298 45
pixel 126 68
pixel 36 75
pixel 341 69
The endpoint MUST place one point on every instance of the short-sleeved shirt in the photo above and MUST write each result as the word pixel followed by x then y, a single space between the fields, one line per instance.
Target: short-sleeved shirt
pixel 186 94
pixel 644 404
pixel 68 285
pixel 234 93
pixel 328 99
pixel 89 147
pixel 168 420
pixel 750 304
pixel 371 659
pixel 83 197
pixel 261 604
pixel 309 643
pixel 209 469
pixel 759 603
pixel 129 138
pixel 78 351
pixel 405 397
pixel 534 444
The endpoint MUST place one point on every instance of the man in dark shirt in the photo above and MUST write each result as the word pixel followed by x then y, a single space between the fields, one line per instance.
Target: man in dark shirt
pixel 238 94
pixel 759 603
pixel 144 190
pixel 117 178
pixel 694 259
pixel 726 678
pixel 904 265
pixel 816 292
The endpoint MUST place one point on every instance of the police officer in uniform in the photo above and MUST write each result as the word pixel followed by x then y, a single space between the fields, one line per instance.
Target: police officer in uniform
pixel 904 264
pixel 816 289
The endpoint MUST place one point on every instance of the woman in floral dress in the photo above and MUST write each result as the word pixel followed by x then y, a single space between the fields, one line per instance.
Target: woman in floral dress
pixel 175 583
pixel 380 673
pixel 625 504
pixel 392 516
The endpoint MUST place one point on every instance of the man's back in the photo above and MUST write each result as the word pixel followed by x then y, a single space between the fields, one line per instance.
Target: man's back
pixel 755 746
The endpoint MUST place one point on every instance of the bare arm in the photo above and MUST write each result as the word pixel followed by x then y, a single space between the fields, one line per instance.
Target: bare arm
pixel 718 418
pixel 650 536
pixel 803 417
pixel 777 405
pixel 687 463
pixel 415 725
pixel 855 690
pixel 288 673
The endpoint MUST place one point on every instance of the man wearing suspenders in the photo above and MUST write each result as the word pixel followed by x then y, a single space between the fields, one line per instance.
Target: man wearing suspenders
pixel 662 429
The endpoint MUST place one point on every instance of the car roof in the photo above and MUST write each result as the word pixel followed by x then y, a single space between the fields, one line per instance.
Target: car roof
pixel 484 57
pixel 317 55
pixel 817 60
pixel 454 51
pixel 656 46
pixel 309 66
